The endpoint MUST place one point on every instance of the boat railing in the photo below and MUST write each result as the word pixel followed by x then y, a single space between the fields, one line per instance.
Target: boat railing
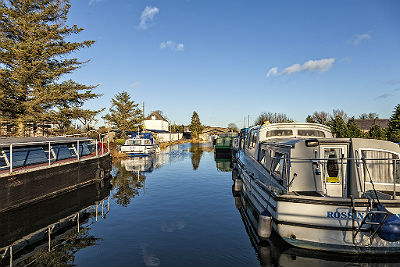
pixel 388 166
pixel 7 153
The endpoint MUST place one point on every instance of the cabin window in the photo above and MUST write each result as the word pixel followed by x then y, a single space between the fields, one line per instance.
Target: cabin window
pixel 310 133
pixel 381 166
pixel 332 165
pixel 253 139
pixel 147 142
pixel 272 133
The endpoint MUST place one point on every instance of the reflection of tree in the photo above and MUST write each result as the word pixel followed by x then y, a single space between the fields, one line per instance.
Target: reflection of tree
pixel 126 184
pixel 63 249
pixel 197 152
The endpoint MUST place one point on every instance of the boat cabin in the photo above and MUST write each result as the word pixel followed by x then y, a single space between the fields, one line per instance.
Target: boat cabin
pixel 305 160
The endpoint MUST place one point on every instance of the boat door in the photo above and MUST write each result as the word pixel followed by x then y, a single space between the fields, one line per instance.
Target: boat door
pixel 334 169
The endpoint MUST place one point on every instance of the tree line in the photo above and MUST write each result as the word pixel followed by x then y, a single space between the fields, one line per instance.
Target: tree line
pixel 342 125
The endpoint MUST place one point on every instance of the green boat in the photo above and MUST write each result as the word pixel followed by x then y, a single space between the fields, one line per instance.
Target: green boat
pixel 223 143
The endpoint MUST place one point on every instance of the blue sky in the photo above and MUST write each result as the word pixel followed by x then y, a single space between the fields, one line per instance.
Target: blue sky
pixel 230 59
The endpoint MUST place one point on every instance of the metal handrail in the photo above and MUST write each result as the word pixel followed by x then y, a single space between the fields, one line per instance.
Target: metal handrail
pixel 49 143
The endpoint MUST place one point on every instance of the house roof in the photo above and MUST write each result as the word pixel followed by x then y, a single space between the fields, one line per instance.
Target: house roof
pixel 365 125
pixel 157 116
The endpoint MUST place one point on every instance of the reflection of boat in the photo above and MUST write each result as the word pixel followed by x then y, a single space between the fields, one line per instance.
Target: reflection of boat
pixel 323 193
pixel 141 164
pixel 27 232
pixel 275 252
pixel 223 161
pixel 224 165
pixel 140 144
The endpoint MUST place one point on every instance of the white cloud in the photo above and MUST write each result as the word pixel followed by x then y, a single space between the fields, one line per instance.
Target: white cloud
pixel 272 71
pixel 358 38
pixel 147 16
pixel 291 69
pixel 134 85
pixel 318 66
pixel 171 45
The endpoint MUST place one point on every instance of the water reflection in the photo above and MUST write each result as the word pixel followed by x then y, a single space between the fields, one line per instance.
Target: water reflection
pixel 275 252
pixel 197 151
pixel 50 232
pixel 126 181
pixel 223 162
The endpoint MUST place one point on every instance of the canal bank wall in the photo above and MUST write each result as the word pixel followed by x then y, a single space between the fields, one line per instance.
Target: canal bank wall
pixel 31 185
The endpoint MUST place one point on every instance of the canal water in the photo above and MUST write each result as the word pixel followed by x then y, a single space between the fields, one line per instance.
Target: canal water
pixel 173 209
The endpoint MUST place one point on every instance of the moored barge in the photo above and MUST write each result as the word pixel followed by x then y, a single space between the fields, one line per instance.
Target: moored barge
pixel 35 168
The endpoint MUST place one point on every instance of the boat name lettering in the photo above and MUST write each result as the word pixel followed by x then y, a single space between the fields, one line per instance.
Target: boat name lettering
pixel 347 215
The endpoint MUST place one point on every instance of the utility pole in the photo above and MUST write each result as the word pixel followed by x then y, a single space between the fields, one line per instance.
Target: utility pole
pixel 248 121
pixel 244 122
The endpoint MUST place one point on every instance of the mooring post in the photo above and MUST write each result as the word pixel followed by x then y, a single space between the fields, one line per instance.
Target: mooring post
pixel 11 158
pixel 49 153
pixel 78 221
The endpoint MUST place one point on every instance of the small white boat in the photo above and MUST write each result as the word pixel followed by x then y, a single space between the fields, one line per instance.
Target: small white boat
pixel 319 192
pixel 142 144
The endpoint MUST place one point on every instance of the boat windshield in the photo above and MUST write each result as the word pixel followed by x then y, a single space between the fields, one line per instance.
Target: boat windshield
pixel 382 166
pixel 310 133
pixel 272 133
pixel 130 142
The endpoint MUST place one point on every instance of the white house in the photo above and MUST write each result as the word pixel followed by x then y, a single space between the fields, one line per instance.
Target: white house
pixel 156 123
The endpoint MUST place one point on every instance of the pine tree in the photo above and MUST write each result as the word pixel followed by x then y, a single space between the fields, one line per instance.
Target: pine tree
pixel 195 126
pixel 33 58
pixel 339 127
pixel 354 130
pixel 377 132
pixel 124 113
pixel 310 119
pixel 393 132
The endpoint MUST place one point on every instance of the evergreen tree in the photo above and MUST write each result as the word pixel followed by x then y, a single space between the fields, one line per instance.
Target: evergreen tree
pixel 393 132
pixel 310 119
pixel 354 130
pixel 33 57
pixel 195 126
pixel 124 113
pixel 377 132
pixel 339 127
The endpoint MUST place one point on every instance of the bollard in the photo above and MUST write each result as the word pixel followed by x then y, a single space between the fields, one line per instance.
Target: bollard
pixel 238 185
pixel 264 225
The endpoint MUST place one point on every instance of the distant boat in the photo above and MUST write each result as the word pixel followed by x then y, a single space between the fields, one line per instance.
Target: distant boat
pixel 140 144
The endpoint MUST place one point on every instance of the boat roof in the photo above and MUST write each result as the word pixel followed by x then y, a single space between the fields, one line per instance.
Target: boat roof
pixel 291 125
pixel 32 141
